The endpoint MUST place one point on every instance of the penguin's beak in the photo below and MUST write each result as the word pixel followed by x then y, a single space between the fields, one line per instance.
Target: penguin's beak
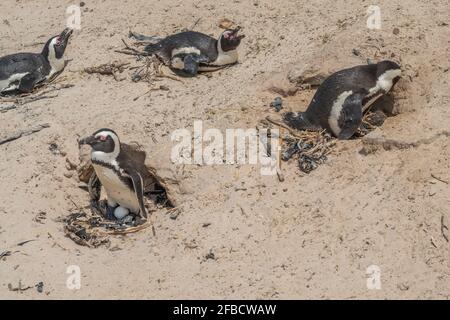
pixel 88 140
pixel 235 33
pixel 65 35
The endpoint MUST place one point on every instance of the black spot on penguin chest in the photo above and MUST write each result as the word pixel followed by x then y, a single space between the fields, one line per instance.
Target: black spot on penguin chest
pixel 126 180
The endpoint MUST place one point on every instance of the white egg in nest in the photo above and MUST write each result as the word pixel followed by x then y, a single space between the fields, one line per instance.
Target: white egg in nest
pixel 121 212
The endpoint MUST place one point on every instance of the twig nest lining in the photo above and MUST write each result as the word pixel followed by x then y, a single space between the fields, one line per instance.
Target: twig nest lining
pixel 92 230
pixel 312 147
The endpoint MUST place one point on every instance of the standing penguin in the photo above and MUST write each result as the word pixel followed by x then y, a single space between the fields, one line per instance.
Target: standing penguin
pixel 192 51
pixel 337 105
pixel 23 71
pixel 120 173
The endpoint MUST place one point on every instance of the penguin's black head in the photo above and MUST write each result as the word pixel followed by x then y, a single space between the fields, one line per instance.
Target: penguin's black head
pixel 103 141
pixel 57 45
pixel 230 40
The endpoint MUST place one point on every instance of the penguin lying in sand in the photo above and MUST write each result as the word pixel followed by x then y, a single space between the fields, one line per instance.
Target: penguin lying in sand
pixel 337 106
pixel 119 172
pixel 23 71
pixel 192 51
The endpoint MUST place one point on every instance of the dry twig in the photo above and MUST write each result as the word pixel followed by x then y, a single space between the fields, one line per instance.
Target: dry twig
pixel 108 69
pixel 31 97
pixel 151 69
pixel 438 179
pixel 22 133
pixel 283 125
pixel 443 228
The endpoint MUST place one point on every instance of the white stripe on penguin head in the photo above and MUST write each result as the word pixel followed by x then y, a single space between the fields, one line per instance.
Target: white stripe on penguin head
pixel 111 156
pixel 385 81
pixel 224 57
pixel 56 64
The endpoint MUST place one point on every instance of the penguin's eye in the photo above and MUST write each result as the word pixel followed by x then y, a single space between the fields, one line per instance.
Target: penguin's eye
pixel 58 41
pixel 102 138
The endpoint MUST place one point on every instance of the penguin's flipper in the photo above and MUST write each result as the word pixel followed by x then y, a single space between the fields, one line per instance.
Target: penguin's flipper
pixel 138 185
pixel 200 58
pixel 28 82
pixel 351 115
pixel 94 187
pixel 297 120
pixel 191 64
pixel 192 61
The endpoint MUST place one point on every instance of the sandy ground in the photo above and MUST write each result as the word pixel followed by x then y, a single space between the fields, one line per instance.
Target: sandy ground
pixel 311 236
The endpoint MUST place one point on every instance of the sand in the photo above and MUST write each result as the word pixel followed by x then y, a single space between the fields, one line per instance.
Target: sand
pixel 311 236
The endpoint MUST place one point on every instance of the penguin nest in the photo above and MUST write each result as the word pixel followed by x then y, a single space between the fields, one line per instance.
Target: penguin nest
pixel 150 70
pixel 310 148
pixel 92 229
pixel 84 229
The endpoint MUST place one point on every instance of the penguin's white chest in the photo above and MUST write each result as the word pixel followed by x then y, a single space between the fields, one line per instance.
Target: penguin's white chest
pixel 117 191
pixel 226 57
pixel 56 64
pixel 223 59
pixel 385 82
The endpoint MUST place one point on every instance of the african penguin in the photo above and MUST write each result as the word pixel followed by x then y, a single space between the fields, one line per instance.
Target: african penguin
pixel 118 172
pixel 22 71
pixel 192 51
pixel 337 105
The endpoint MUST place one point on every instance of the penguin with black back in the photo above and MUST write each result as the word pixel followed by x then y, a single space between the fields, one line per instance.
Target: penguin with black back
pixel 120 171
pixel 337 105
pixel 192 51
pixel 23 71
